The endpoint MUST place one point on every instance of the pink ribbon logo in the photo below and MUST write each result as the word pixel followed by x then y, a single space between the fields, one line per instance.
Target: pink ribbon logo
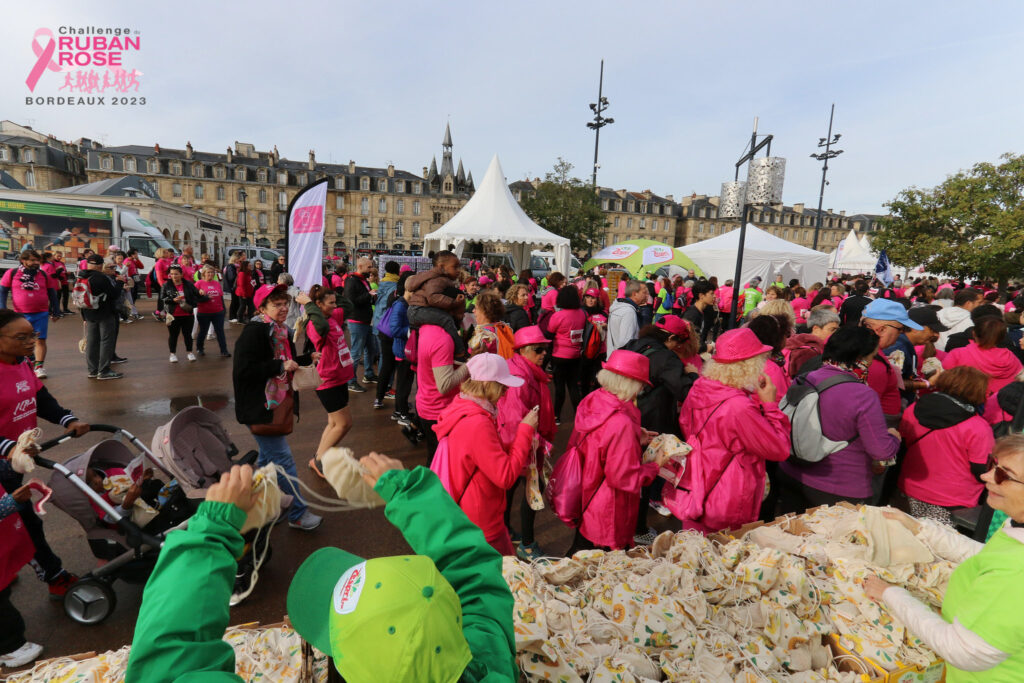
pixel 45 55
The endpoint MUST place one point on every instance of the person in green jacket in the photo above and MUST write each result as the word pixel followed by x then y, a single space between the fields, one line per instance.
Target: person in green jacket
pixel 752 295
pixel 442 615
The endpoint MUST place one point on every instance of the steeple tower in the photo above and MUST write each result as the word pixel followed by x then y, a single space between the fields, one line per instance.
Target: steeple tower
pixel 447 167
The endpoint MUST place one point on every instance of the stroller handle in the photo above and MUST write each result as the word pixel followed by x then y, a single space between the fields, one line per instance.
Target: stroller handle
pixel 56 441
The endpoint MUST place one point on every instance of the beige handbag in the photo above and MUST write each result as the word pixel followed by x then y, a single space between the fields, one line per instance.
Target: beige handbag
pixel 306 377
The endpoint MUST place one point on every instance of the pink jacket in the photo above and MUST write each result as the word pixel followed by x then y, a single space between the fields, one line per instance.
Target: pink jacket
pixel 518 401
pixel 481 468
pixel 607 432
pixel 778 376
pixel 567 326
pixel 1001 366
pixel 732 434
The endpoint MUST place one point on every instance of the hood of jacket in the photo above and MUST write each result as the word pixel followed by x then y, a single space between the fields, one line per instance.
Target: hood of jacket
pixel 953 316
pixel 998 363
pixel 803 340
pixel 594 410
pixel 708 393
pixel 458 409
pixel 939 411
pixel 620 303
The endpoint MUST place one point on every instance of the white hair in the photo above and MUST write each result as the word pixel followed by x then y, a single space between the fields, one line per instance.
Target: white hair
pixel 624 388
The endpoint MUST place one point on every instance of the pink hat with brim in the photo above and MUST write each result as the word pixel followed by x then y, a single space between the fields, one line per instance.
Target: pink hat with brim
pixel 737 345
pixel 405 268
pixel 263 292
pixel 484 280
pixel 592 292
pixel 490 367
pixel 527 336
pixel 673 324
pixel 629 364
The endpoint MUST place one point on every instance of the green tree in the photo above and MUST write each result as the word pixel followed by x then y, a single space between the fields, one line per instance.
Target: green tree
pixel 970 226
pixel 567 206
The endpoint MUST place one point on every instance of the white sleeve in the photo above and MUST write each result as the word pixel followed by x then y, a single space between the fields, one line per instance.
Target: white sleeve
pixel 959 646
pixel 947 542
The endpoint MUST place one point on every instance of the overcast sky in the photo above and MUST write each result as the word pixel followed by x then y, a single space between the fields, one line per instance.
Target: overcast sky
pixel 921 89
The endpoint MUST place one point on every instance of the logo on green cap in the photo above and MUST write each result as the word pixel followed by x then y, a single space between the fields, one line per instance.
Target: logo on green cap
pixel 349 588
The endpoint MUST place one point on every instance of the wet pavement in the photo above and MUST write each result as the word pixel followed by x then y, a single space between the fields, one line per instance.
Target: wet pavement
pixel 150 393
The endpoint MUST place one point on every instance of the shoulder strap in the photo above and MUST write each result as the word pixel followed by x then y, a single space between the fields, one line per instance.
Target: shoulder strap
pixel 832 381
pixel 920 438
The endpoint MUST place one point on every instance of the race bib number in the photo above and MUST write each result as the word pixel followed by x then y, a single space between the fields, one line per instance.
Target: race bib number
pixel 576 336
pixel 344 356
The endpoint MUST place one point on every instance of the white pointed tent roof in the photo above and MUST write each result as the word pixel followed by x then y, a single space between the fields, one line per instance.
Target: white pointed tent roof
pixel 764 255
pixel 854 256
pixel 493 215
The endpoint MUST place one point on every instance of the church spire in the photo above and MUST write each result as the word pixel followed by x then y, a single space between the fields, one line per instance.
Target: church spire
pixel 447 167
pixel 447 137
pixel 460 175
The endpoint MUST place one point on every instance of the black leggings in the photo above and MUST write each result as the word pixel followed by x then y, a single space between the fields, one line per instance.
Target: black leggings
pixel 527 514
pixel 403 386
pixel 567 373
pixel 183 324
pixel 246 309
pixel 12 625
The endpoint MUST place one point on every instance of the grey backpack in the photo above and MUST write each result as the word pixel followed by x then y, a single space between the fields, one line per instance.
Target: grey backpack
pixel 801 405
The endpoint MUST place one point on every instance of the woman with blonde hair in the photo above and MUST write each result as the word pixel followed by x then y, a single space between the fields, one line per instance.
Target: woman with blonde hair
pixel 519 310
pixel 731 417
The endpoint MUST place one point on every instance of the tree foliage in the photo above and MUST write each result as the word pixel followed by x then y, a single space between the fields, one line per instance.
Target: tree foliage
pixel 568 207
pixel 971 225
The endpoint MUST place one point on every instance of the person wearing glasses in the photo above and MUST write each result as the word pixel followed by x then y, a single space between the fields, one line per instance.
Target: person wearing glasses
pixel 888 319
pixel 531 350
pixel 980 632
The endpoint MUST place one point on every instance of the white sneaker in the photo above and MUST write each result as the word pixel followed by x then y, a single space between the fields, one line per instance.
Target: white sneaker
pixel 191 356
pixel 174 358
pixel 29 652
pixel 307 522
pixel 41 372
pixel 233 320
pixel 209 336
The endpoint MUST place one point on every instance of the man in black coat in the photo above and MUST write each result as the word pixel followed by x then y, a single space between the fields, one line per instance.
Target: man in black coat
pixel 357 291
pixel 101 323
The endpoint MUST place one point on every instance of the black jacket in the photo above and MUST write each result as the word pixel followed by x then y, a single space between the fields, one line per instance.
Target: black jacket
pixel 254 364
pixel 193 297
pixel 702 322
pixel 852 308
pixel 659 405
pixel 275 270
pixel 110 289
pixel 517 317
pixel 357 291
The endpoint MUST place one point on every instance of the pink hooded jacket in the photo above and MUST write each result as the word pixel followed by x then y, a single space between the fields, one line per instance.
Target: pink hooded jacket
pixel 1001 366
pixel 732 434
pixel 607 432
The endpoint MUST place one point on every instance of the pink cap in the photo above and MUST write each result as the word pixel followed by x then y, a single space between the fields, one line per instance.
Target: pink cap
pixel 737 345
pixel 263 292
pixel 629 364
pixel 405 268
pixel 525 336
pixel 484 280
pixel 673 324
pixel 592 292
pixel 490 367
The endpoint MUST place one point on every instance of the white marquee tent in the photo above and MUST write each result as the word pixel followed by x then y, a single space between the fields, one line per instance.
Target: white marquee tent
pixel 493 215
pixel 853 256
pixel 764 255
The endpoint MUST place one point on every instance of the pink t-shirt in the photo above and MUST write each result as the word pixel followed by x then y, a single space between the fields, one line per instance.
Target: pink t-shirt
pixel 800 306
pixel 335 366
pixel 161 267
pixel 567 326
pixel 548 300
pixel 434 348
pixel 18 399
pixel 213 290
pixel 34 299
pixel 178 310
pixel 937 468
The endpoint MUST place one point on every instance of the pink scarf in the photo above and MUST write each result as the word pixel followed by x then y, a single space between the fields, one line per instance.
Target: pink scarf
pixel 277 387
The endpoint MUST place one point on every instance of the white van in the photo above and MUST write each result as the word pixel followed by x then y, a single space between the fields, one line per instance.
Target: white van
pixel 543 262
pixel 251 253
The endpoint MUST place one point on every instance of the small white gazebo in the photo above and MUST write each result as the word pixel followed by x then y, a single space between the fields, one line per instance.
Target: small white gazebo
pixel 853 256
pixel 493 215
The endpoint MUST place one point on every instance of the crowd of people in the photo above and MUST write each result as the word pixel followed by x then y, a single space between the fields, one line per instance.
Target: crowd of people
pixel 912 383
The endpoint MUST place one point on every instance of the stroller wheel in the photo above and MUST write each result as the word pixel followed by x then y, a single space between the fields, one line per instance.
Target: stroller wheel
pixel 89 601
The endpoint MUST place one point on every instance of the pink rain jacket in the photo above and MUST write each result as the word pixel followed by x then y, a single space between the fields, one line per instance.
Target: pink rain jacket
pixel 732 433
pixel 1001 365
pixel 607 432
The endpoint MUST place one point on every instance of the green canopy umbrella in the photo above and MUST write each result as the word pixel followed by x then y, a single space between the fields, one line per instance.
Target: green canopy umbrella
pixel 640 256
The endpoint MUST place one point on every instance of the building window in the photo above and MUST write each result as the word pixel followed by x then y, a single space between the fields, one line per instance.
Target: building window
pixel 382 228
pixel 261 175
pixel 415 228
pixel 240 174
pixel 364 227
pixel 616 221
pixel 282 177
pixel 153 166
pixel 447 186
pixel 28 156
pixel 107 164
pixel 241 217
pixel 303 179
pixel 416 208
pixel 398 228
pixel 643 207
pixel 382 206
pixel 629 207
pixel 219 173
pixel 176 189
pixel 382 185
pixel 363 245
pixel 400 206
pixel 604 204
pixel 399 186
pixel 4 154
pixel 666 226
pixel 30 178
pixel 339 202
pixel 241 193
pixel 364 206
pixel 654 225
pixel 261 218
pixel 282 200
pixel 176 168
pixel 437 216
pixel 262 196
pixel 700 229
pixel 339 225
pixel 643 223
pixel 221 195
pixel 364 184
pixel 222 214
pixel 129 164
pixel 807 234
pixel 339 183
pixel 281 220
pixel 197 191
pixel 629 222
pixel 416 189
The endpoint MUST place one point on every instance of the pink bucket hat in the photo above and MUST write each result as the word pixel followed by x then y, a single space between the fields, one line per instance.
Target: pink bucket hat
pixel 264 291
pixel 484 280
pixel 490 367
pixel 526 336
pixel 737 345
pixel 629 364
pixel 405 268
pixel 673 324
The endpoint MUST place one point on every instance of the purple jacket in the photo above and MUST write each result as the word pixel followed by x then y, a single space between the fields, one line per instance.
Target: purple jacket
pixel 847 411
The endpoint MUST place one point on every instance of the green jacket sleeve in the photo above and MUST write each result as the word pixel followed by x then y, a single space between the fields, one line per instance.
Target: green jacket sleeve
pixel 185 605
pixel 465 559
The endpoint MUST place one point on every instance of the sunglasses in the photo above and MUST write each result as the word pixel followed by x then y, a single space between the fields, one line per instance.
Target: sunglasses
pixel 539 348
pixel 999 474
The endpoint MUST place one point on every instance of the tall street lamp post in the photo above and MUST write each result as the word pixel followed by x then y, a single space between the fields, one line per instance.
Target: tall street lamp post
pixel 829 153
pixel 596 125
pixel 245 217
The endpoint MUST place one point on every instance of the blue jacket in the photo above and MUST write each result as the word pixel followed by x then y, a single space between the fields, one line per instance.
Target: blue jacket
pixel 384 290
pixel 400 328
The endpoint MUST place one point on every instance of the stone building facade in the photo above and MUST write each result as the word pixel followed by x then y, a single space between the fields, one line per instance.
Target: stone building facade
pixel 40 162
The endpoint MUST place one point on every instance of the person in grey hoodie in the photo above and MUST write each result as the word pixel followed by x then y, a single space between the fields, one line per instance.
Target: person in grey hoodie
pixel 624 316
pixel 958 317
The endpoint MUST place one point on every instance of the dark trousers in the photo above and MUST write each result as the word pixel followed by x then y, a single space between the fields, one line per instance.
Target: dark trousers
pixel 795 497
pixel 182 324
pixel 217 320
pixel 45 561
pixel 12 626
pixel 100 341
pixel 579 542
pixel 386 367
pixel 246 308
pixel 65 294
pixel 647 494
pixel 567 375
pixel 527 515
pixel 589 368
pixel 233 307
pixel 403 385
pixel 427 427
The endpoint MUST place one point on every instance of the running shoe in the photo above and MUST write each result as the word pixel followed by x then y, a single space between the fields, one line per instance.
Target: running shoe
pixel 356 387
pixel 372 379
pixel 110 375
pixel 377 404
pixel 645 538
pixel 307 522
pixel 40 372
pixel 658 507
pixel 60 585
pixel 26 654
pixel 118 359
pixel 390 396
pixel 173 358
pixel 191 357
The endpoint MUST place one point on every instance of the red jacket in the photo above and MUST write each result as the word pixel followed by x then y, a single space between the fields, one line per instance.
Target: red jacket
pixel 482 470
pixel 607 432
pixel 243 285
pixel 16 547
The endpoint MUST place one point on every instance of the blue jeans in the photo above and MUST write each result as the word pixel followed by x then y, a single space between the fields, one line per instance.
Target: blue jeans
pixel 361 345
pixel 274 449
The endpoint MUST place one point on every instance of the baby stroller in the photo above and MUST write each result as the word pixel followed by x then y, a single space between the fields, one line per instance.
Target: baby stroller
pixel 205 451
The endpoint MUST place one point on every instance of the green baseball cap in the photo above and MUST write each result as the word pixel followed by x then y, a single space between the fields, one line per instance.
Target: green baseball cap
pixel 385 619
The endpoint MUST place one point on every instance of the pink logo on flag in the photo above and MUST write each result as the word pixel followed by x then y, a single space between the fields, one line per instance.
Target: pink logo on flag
pixel 308 219
pixel 45 55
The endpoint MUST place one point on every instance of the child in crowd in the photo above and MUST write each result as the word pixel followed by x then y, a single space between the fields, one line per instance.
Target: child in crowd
pixel 433 298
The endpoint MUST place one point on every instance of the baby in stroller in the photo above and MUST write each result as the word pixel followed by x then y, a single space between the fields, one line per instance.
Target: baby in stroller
pixel 141 496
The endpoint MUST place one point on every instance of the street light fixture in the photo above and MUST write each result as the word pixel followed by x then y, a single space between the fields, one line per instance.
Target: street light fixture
pixel 829 153
pixel 245 216
pixel 596 125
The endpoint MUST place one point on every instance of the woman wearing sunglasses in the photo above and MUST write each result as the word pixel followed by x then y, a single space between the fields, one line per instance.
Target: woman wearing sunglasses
pixel 979 633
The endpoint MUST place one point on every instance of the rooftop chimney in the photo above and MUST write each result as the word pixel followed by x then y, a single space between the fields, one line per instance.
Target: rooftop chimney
pixel 156 148
pixel 230 155
pixel 424 171
pixel 188 149
pixel 351 166
pixel 312 160
pixel 275 156
pixel 391 170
